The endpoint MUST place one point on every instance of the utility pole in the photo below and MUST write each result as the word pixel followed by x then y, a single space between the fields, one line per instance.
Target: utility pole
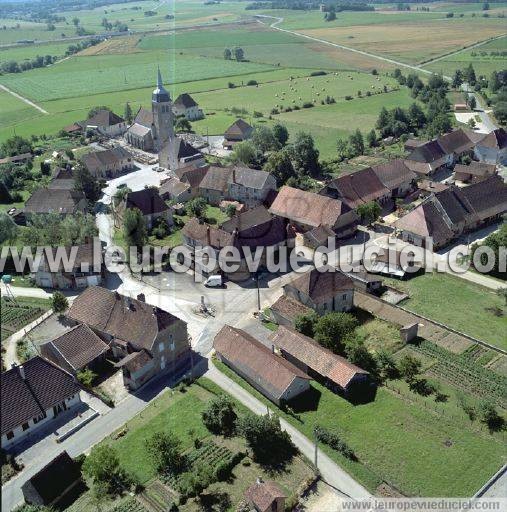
pixel 316 450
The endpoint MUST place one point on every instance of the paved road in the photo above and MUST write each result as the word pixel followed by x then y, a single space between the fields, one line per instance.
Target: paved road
pixel 331 472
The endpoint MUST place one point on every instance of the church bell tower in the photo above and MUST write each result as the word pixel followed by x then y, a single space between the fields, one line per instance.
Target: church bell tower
pixel 161 106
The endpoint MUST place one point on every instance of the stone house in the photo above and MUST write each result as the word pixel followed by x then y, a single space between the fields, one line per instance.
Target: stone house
pixel 397 177
pixel 239 131
pixel 177 153
pixel 109 163
pixel 273 376
pixel 323 292
pixel 145 339
pixel 185 106
pixel 474 172
pixel 149 203
pixel 33 395
pixel 61 201
pixel 492 149
pixel 106 123
pixel 265 497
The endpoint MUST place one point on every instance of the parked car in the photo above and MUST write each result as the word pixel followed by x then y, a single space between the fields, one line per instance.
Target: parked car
pixel 215 281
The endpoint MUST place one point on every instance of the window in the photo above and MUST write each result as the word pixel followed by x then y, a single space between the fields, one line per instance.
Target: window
pixel 161 346
pixel 25 426
pixel 10 434
pixel 344 296
pixel 39 418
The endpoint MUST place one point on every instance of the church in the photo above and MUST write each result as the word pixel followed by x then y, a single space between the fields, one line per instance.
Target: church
pixel 154 131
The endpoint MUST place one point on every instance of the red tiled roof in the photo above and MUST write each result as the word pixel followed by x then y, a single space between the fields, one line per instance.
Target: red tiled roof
pixel 263 494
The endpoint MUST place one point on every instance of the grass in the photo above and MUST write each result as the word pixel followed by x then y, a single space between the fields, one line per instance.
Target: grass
pixel 462 305
pixel 180 413
pixel 16 316
pixel 398 441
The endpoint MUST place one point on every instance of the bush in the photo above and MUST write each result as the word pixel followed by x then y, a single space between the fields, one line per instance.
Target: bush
pixel 252 82
pixel 86 377
pixel 219 417
pixel 231 85
pixel 307 104
pixel 59 302
pixel 348 97
pixel 318 73
pixel 332 439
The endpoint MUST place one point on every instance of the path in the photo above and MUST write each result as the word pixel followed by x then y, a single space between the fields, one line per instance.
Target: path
pixel 481 279
pixel 331 472
pixel 27 101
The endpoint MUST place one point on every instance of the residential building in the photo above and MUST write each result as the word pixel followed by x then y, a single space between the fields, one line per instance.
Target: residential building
pixel 239 131
pixel 61 201
pixel 149 203
pixel 176 153
pixel 265 497
pixel 492 149
pixel 397 177
pixel 33 395
pixel 63 178
pixel 357 188
pixel 151 130
pixel 285 310
pixel 56 485
pixel 446 215
pixel 323 365
pixel 322 291
pixel 17 159
pixel 83 269
pixel 172 189
pixel 392 263
pixel 76 349
pixel 184 105
pixel 235 183
pixel 273 376
pixel 306 210
pixel 109 163
pixel 474 172
pixel 146 339
pixel 106 123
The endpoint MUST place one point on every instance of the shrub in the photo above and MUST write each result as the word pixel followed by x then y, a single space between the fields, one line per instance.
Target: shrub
pixel 332 439
pixel 348 97
pixel 86 377
pixel 59 302
pixel 307 104
pixel 252 82
pixel 231 85
pixel 318 73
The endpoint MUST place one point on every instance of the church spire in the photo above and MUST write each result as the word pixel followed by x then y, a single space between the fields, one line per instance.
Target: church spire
pixel 160 85
pixel 160 94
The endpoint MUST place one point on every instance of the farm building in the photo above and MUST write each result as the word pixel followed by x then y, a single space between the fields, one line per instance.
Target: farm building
pixel 474 172
pixel 63 178
pixel 106 123
pixel 320 363
pixel 265 497
pixel 33 395
pixel 61 201
pixel 492 149
pixel 322 291
pixel 238 132
pixel 272 375
pixel 184 105
pixel 109 163
pixel 285 310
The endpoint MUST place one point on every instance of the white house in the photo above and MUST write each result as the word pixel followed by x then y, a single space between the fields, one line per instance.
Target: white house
pixel 492 149
pixel 33 395
pixel 186 106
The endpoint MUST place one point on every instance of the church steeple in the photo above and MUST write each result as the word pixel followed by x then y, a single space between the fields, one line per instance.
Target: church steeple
pixel 160 94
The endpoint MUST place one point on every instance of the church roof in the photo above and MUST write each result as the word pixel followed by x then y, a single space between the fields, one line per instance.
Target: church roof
pixel 160 94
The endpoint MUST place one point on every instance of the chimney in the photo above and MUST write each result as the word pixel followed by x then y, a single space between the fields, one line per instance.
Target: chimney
pixel 21 370
pixel 208 235
pixel 272 349
pixel 259 480
pixel 141 297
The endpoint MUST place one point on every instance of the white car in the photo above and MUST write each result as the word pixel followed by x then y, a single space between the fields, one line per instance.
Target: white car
pixel 214 282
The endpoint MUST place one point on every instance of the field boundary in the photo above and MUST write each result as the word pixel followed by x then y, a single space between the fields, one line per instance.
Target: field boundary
pixel 25 100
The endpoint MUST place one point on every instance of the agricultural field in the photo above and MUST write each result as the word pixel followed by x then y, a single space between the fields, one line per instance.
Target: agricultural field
pixel 422 450
pixel 16 316
pixel 472 309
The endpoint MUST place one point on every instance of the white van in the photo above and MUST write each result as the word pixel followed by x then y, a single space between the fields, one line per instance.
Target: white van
pixel 214 281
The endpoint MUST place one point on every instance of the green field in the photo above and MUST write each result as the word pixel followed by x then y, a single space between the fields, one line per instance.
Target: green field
pixel 465 306
pixel 16 316
pixel 399 442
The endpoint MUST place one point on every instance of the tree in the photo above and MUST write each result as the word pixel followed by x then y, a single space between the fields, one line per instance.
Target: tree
pixel 128 113
pixel 471 123
pixel 75 21
pixel 409 367
pixel 500 111
pixel 343 149
pixel 485 6
pixel 269 443
pixel 239 54
pixel 279 165
pixel 247 153
pixel 135 232
pixel 490 416
pixel 371 139
pixel 457 79
pixel 59 302
pixel 330 16
pixel 86 183
pixel 164 450
pixel 305 324
pixel 331 330
pixel 263 138
pixel 196 207
pixel 386 365
pixel 121 194
pixel 502 292
pixel 369 212
pixel 86 377
pixel 8 229
pixel 305 156
pixel 281 134
pixel 183 125
pixel 469 75
pixel 16 145
pixel 356 142
pixel 494 82
pixel 219 417
pixel 358 354
pixel 102 467
pixel 230 210
pixel 227 54
pixel 416 116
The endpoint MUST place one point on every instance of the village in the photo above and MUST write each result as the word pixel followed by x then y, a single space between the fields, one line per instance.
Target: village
pixel 260 365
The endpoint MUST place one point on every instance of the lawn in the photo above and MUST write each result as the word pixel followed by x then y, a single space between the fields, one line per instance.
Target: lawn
pixel 462 305
pixel 180 412
pixel 399 442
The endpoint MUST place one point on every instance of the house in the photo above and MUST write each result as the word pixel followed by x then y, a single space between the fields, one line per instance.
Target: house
pixel 74 128
pixel 321 364
pixel 106 123
pixel 146 339
pixel 357 188
pixel 322 291
pixel 285 310
pixel 446 215
pixel 173 189
pixel 411 144
pixel 184 105
pixel 239 131
pixel 492 149
pixel 84 268
pixel 23 158
pixel 364 280
pixel 456 143
pixel 63 178
pixel 149 203
pixel 61 201
pixel 33 395
pixel 392 263
pixel 76 349
pixel 265 497
pixel 316 237
pixel 56 485
pixel 273 376
pixel 192 174
pixel 396 176
pixel 474 172
pixel 177 152
pixel 109 163
pixel 236 183
pixel 307 210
